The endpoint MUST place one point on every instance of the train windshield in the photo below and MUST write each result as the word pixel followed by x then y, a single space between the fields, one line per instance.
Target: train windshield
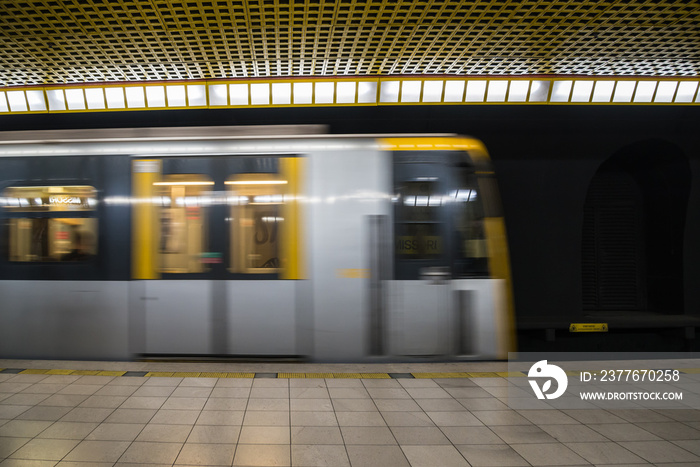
pixel 50 223
pixel 438 218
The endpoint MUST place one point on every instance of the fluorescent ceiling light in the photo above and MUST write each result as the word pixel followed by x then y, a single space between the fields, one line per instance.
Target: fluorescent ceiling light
pixel 196 95
pixel 115 98
pixel 95 98
pixel 432 91
pixel 561 91
pixel 75 99
pixel 539 91
pixel 346 92
pixel 410 91
pixel 238 93
pixel 624 91
pixel 281 93
pixel 367 92
pixel 36 100
pixel 497 91
pixel 324 93
pixel 260 94
pixel 135 98
pixel 389 91
pixel 155 96
pixel 303 93
pixel 645 91
pixel 518 91
pixel 665 91
pixel 218 94
pixel 582 91
pixel 603 91
pixel 476 90
pixel 686 91
pixel 176 96
pixel 454 91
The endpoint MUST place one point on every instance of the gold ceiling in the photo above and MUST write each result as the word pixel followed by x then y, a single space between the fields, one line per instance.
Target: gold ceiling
pixel 47 42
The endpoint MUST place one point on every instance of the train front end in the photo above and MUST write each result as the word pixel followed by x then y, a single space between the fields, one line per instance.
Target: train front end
pixel 443 286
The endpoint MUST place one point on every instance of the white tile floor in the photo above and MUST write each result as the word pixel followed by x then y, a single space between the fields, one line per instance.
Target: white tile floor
pixel 66 420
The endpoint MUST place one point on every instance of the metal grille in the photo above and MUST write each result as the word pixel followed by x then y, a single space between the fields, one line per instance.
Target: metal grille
pixel 612 245
pixel 52 42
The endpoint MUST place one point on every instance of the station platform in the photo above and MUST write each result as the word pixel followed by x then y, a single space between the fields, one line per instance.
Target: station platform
pixel 78 413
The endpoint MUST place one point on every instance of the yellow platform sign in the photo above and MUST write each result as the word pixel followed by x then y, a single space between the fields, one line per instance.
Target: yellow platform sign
pixel 588 327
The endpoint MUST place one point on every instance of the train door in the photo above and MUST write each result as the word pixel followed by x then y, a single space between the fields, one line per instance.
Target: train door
pixel 264 255
pixel 419 293
pixel 173 225
pixel 438 236
pixel 216 240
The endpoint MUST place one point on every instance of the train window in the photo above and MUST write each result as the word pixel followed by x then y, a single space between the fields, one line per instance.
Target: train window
pixel 471 250
pixel 256 217
pixel 50 223
pixel 184 201
pixel 44 239
pixel 418 220
pixel 439 220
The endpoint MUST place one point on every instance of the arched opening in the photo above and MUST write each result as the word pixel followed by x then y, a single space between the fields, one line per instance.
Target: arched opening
pixel 632 242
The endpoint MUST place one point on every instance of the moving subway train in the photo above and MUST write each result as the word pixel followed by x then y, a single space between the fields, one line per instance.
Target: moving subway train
pixel 250 242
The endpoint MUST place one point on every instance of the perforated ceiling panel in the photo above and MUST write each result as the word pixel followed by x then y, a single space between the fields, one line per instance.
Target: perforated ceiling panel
pixel 44 42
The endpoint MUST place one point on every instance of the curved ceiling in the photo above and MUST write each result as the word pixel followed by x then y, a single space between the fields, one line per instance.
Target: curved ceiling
pixel 53 42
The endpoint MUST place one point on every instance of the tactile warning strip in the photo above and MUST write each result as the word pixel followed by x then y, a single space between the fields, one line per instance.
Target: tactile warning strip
pixel 194 374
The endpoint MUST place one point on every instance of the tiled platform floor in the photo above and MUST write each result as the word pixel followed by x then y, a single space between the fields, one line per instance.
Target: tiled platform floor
pixel 74 420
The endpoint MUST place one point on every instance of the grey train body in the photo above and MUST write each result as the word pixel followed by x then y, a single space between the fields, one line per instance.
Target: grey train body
pixel 360 293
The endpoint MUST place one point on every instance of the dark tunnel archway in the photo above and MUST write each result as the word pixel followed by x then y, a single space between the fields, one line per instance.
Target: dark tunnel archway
pixel 633 224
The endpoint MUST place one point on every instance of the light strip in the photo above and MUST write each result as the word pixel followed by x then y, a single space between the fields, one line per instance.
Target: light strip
pixel 351 92
pixel 256 182
pixel 175 183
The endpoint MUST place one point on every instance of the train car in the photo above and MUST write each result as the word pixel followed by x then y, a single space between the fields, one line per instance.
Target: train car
pixel 235 242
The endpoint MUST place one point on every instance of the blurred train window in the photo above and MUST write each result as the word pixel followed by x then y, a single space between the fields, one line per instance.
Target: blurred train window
pixel 184 201
pixel 471 250
pixel 256 202
pixel 439 218
pixel 418 223
pixel 40 228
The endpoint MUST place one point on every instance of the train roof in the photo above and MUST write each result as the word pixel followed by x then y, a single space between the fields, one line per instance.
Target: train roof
pixel 220 140
pixel 190 133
